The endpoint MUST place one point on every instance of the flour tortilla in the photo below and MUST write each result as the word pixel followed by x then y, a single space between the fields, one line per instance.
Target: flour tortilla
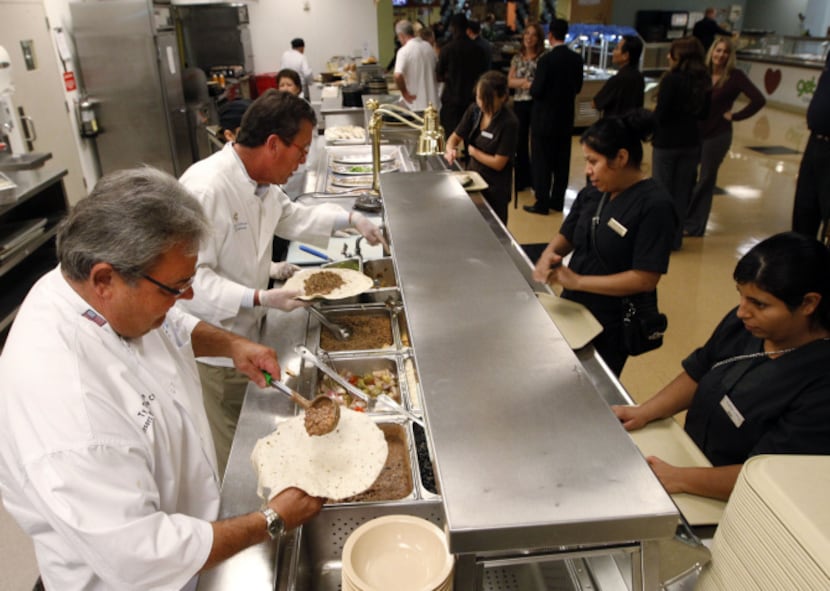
pixel 355 283
pixel 341 464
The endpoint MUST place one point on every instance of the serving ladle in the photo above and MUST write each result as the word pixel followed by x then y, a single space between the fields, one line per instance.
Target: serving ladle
pixel 321 413
pixel 306 354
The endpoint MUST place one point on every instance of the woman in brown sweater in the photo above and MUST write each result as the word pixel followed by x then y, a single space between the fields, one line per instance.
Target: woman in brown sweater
pixel 728 83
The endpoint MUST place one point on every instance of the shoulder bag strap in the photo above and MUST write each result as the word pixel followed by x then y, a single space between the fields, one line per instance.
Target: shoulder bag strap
pixel 594 225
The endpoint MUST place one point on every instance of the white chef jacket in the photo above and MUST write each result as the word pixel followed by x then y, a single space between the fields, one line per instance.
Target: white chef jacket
pixel 416 62
pixel 296 60
pixel 237 254
pixel 106 457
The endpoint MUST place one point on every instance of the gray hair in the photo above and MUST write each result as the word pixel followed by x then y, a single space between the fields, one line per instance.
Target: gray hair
pixel 404 27
pixel 130 219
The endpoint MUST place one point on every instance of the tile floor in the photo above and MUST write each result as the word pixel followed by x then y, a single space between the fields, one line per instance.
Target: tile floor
pixel 695 294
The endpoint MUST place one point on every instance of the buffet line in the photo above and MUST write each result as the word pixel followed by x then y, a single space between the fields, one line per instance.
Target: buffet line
pixel 519 460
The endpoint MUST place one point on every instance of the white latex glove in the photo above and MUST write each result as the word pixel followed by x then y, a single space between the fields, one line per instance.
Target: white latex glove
pixel 367 229
pixel 281 299
pixel 283 270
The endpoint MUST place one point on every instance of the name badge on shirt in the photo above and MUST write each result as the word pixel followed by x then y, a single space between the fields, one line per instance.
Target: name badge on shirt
pixel 617 227
pixel 487 134
pixel 238 226
pixel 732 411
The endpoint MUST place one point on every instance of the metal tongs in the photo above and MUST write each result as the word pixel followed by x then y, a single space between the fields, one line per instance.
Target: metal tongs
pixel 306 354
pixel 341 333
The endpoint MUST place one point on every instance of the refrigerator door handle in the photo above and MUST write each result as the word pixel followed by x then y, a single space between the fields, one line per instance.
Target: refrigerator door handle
pixel 28 125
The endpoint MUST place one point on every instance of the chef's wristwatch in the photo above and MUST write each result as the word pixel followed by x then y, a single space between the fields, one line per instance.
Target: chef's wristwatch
pixel 273 523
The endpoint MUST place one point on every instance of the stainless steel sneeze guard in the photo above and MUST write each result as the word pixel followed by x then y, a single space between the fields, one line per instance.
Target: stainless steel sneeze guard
pixel 527 452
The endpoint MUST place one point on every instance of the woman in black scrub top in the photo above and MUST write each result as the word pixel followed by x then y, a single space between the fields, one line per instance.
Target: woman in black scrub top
pixel 761 383
pixel 490 131
pixel 627 250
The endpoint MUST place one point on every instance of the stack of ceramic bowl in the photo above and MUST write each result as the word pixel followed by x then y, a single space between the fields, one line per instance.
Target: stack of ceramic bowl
pixel 398 552
pixel 775 531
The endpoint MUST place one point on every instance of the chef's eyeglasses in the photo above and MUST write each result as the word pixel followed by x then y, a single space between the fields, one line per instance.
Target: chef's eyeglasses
pixel 171 290
pixel 303 150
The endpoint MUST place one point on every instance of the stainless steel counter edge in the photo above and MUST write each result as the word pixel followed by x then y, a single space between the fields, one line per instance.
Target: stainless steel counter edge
pixel 789 60
pixel 522 439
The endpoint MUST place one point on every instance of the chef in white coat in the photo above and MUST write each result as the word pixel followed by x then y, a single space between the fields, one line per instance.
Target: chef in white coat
pixel 106 457
pixel 296 60
pixel 238 189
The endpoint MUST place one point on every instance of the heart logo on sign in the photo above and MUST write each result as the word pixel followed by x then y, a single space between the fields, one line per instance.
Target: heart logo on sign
pixel 772 78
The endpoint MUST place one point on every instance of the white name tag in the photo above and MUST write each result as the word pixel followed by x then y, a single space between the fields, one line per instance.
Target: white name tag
pixel 238 226
pixel 617 227
pixel 732 411
pixel 487 134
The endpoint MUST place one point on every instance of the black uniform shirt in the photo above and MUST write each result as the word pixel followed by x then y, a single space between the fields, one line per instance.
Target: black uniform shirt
pixel 639 237
pixel 499 139
pixel 784 402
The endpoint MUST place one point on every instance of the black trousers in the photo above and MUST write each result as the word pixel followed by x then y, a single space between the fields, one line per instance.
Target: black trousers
pixel 450 116
pixel 524 177
pixel 551 166
pixel 812 190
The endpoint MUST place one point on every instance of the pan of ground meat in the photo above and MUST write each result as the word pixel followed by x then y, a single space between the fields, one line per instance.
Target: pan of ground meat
pixel 329 283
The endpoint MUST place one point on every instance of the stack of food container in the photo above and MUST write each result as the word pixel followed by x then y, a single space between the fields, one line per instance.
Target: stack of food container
pixel 775 531
pixel 398 552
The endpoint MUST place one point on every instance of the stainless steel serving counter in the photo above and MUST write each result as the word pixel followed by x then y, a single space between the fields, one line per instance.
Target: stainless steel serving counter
pixel 531 461
pixel 528 454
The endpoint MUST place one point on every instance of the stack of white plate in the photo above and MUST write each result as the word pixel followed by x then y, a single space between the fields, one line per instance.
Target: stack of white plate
pixel 775 531
pixel 398 552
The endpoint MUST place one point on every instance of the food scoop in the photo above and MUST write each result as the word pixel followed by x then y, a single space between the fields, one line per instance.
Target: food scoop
pixel 321 413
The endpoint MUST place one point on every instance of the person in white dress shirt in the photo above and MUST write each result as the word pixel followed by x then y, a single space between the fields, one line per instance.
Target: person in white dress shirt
pixel 295 59
pixel 415 69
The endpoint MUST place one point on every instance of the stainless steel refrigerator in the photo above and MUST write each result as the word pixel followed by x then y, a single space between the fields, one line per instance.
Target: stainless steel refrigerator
pixel 130 66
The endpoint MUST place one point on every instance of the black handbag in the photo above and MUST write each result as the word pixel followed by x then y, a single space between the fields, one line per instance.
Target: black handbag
pixel 643 323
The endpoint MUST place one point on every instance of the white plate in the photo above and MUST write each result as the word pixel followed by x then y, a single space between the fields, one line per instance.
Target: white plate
pixel 361 158
pixel 361 169
pixel 355 283
pixel 353 182
pixel 345 133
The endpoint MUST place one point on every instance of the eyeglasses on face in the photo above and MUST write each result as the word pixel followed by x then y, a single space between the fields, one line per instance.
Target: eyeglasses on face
pixel 303 149
pixel 171 290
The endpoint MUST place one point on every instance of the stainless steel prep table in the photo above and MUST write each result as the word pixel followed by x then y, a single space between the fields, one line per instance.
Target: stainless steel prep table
pixel 530 459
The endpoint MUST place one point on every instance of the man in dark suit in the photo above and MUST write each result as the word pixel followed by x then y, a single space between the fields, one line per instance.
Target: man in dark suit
pixel 557 82
pixel 460 63
pixel 707 28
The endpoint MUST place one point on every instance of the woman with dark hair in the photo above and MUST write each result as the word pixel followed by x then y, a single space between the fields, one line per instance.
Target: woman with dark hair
pixel 761 383
pixel 682 101
pixel 728 83
pixel 519 78
pixel 489 129
pixel 620 230
pixel 288 80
